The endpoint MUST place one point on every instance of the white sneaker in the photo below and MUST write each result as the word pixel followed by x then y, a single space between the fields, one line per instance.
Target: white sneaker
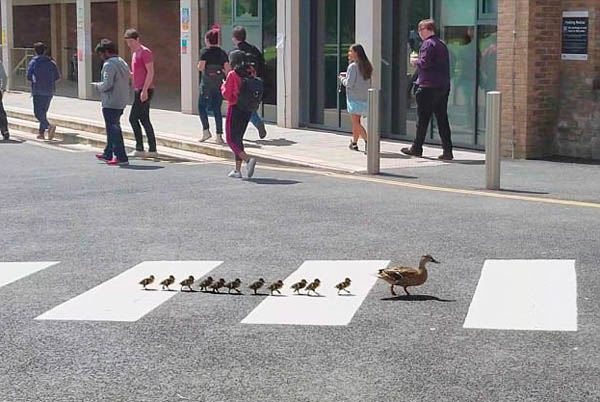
pixel 153 154
pixel 136 153
pixel 219 139
pixel 251 166
pixel 205 135
pixel 236 174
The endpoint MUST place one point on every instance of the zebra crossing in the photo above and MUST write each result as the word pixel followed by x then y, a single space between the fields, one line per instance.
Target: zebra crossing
pixel 532 295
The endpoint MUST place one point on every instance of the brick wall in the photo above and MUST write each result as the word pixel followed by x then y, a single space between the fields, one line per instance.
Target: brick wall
pixel 528 75
pixel 550 106
pixel 578 126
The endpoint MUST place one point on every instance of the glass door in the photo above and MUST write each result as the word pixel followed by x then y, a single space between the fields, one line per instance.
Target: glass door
pixel 400 48
pixel 332 33
pixel 458 20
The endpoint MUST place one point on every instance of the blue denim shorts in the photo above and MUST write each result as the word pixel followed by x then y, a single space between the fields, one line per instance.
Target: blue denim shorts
pixel 357 107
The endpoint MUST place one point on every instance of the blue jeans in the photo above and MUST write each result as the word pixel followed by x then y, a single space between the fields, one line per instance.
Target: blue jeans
pixel 41 104
pixel 256 120
pixel 214 100
pixel 114 136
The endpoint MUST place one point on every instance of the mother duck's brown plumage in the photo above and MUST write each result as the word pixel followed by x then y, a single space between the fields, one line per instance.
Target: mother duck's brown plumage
pixel 399 275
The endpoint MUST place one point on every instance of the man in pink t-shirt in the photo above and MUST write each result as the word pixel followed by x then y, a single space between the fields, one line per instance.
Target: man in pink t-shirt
pixel 142 66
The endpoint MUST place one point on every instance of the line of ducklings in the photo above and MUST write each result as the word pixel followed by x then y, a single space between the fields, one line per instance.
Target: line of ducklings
pixel 210 285
pixel 395 275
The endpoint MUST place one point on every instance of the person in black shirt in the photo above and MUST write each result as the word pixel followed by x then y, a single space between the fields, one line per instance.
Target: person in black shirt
pixel 214 65
pixel 258 63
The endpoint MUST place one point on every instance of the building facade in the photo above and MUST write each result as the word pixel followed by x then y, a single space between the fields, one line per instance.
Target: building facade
pixel 551 104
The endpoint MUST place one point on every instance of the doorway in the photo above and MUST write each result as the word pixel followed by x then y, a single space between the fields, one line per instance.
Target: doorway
pixel 332 33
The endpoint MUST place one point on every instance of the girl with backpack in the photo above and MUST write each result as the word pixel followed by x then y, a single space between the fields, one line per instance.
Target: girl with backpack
pixel 238 80
pixel 214 65
pixel 357 80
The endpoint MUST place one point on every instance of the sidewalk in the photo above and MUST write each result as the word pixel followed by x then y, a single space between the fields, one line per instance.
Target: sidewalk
pixel 310 148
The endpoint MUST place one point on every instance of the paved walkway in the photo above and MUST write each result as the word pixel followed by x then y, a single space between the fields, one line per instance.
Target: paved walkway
pixel 316 148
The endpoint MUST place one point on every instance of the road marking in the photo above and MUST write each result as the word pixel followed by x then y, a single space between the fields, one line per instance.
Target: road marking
pixel 329 309
pixel 398 183
pixel 538 295
pixel 122 298
pixel 13 271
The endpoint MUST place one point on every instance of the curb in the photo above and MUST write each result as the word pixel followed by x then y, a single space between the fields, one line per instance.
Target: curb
pixel 92 133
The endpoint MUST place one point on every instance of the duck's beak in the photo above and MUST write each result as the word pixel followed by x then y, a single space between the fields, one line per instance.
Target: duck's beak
pixel 434 260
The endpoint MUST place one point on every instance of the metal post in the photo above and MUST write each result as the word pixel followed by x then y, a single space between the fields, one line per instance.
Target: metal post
pixel 373 132
pixel 493 117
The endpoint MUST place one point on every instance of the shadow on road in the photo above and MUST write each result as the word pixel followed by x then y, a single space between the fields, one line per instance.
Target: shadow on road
pixel 417 298
pixel 142 167
pixel 279 142
pixel 272 181
pixel 506 190
pixel 400 176
pixel 11 141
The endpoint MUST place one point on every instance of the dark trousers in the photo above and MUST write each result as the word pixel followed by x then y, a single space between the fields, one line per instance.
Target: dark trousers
pixel 214 100
pixel 41 104
pixel 140 113
pixel 432 101
pixel 114 136
pixel 236 125
pixel 3 118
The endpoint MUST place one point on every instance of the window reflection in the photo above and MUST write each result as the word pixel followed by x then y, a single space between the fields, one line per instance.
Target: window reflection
pixel 246 8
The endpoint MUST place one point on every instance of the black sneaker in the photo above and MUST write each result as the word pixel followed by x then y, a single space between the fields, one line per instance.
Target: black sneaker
pixel 262 131
pixel 446 156
pixel 411 151
pixel 353 146
pixel 6 136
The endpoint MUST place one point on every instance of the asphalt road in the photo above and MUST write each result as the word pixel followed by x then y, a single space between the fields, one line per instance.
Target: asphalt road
pixel 99 221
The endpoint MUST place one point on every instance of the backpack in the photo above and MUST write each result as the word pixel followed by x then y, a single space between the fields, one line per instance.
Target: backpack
pixel 251 94
pixel 213 77
pixel 254 58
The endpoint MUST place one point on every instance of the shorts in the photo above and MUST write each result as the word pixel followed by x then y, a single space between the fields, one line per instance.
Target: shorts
pixel 357 107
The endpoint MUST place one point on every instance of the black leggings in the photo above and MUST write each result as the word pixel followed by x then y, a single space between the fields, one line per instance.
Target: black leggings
pixel 235 128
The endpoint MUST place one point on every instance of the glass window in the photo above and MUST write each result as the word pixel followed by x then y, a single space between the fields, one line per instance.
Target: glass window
pixel 489 6
pixel 269 26
pixel 487 54
pixel 247 9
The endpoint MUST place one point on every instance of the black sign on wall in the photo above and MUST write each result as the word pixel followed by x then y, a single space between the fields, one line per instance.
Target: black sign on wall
pixel 575 34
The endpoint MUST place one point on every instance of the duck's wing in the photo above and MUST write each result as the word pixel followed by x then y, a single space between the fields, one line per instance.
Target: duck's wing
pixel 398 272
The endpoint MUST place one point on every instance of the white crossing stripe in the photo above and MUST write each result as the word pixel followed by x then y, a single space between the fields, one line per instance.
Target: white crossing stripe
pixel 329 309
pixel 13 271
pixel 123 299
pixel 538 295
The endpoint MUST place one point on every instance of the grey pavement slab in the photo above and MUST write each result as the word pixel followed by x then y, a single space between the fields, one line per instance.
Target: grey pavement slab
pixel 100 221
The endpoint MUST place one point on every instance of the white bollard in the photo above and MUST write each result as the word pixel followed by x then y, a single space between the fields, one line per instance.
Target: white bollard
pixel 373 132
pixel 493 118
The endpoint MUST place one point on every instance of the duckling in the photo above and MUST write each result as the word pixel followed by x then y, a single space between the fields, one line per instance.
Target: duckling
pixel 257 285
pixel 205 283
pixel 187 283
pixel 313 286
pixel 147 281
pixel 398 275
pixel 234 285
pixel 343 286
pixel 215 286
pixel 168 282
pixel 299 285
pixel 274 287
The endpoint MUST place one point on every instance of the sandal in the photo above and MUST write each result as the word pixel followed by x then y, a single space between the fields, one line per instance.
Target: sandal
pixel 353 146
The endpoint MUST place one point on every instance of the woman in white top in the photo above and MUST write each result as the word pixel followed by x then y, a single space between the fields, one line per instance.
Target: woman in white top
pixel 357 80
